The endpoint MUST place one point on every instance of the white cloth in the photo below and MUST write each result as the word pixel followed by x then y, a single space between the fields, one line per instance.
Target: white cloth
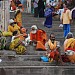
pixel 13 38
pixel 34 26
pixel 69 52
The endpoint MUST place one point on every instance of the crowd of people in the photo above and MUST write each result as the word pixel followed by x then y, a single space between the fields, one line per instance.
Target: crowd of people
pixel 19 39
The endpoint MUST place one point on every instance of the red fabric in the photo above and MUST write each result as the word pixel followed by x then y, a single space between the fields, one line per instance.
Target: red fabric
pixel 13 7
pixel 65 58
pixel 70 49
pixel 53 54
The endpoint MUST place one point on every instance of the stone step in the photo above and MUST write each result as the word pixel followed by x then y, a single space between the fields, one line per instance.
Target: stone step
pixel 21 62
pixel 20 57
pixel 37 70
pixel 30 51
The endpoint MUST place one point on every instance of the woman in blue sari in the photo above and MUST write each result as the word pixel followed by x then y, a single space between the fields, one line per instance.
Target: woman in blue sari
pixel 48 15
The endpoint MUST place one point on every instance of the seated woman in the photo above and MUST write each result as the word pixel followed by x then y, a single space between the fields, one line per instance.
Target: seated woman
pixel 69 47
pixel 17 44
pixel 13 26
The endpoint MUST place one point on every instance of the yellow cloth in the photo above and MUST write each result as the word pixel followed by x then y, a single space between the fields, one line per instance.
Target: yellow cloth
pixel 20 49
pixel 70 43
pixel 19 17
pixel 6 33
pixel 66 17
pixel 51 45
pixel 13 28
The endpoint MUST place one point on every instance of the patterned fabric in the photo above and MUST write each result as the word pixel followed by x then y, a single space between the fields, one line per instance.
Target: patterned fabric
pixel 2 43
pixel 17 46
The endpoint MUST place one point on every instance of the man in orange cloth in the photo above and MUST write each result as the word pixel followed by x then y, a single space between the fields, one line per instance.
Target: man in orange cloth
pixel 38 37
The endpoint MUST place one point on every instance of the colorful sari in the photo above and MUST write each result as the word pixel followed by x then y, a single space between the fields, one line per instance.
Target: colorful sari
pixel 17 46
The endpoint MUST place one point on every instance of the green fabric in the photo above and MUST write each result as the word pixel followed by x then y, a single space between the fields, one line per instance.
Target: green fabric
pixel 2 43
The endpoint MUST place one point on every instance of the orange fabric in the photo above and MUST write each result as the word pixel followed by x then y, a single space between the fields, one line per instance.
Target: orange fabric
pixel 19 24
pixel 72 58
pixel 40 46
pixel 33 36
pixel 39 36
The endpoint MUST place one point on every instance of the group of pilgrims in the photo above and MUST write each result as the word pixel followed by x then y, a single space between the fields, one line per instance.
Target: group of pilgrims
pixel 16 39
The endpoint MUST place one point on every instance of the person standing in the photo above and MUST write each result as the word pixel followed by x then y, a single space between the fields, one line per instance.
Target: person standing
pixel 66 20
pixel 18 15
pixel 35 4
pixel 41 8
pixel 48 15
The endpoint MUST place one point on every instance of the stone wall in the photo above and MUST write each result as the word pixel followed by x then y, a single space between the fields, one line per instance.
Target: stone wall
pixel 37 70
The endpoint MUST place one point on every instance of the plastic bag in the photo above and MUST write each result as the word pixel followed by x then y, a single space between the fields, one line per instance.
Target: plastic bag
pixel 61 25
pixel 44 59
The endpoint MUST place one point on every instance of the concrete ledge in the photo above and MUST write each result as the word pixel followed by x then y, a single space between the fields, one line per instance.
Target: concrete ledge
pixel 61 67
pixel 37 70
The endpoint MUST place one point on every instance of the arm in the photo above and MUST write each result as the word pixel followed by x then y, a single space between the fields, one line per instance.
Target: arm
pixel 18 36
pixel 70 17
pixel 61 18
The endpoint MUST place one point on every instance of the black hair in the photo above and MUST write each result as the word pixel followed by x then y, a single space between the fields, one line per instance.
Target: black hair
pixel 15 32
pixel 52 34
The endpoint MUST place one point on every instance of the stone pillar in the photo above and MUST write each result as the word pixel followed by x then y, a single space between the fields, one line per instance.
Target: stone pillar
pixel 4 15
